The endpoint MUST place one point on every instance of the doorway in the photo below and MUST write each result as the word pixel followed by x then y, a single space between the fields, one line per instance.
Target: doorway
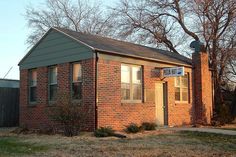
pixel 161 103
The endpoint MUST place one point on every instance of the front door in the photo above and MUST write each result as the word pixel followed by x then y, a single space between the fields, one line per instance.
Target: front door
pixel 160 103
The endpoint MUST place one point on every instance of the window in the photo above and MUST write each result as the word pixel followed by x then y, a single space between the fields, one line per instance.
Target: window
pixel 181 88
pixel 52 83
pixel 32 85
pixel 131 82
pixel 76 81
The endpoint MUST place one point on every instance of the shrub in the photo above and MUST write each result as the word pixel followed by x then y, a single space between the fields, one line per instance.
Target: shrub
pixel 104 132
pixel 132 128
pixel 223 115
pixel 67 114
pixel 149 126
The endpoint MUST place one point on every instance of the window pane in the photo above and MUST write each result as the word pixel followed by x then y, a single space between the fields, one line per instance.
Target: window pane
pixel 184 81
pixel 77 90
pixel 177 81
pixel 137 91
pixel 53 92
pixel 177 94
pixel 125 74
pixel 53 75
pixel 33 78
pixel 184 94
pixel 125 91
pixel 136 74
pixel 32 94
pixel 77 73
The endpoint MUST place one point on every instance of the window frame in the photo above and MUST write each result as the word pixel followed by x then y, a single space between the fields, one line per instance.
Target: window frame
pixel 51 84
pixel 72 81
pixel 181 87
pixel 131 100
pixel 32 103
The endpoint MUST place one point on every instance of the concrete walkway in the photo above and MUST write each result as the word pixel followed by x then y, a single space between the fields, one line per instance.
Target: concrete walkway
pixel 208 130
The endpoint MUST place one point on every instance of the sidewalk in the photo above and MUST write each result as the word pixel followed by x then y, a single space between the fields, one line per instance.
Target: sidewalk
pixel 208 130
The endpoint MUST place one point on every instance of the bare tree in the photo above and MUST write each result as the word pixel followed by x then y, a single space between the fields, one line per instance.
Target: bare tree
pixel 80 15
pixel 230 71
pixel 167 22
pixel 170 24
pixel 143 22
pixel 217 21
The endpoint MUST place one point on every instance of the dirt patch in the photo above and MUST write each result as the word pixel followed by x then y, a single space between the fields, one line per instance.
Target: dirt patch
pixel 147 133
pixel 6 131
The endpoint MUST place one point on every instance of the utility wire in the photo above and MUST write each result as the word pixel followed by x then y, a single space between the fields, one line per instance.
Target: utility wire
pixel 7 73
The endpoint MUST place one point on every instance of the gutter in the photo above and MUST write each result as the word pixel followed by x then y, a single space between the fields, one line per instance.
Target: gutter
pixel 145 58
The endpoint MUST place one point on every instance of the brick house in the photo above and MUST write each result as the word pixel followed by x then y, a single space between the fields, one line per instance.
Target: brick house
pixel 121 82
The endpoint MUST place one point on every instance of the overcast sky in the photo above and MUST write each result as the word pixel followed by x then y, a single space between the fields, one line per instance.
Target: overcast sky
pixel 13 33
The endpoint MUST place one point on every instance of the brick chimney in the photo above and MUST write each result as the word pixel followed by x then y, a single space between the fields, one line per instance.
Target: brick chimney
pixel 202 87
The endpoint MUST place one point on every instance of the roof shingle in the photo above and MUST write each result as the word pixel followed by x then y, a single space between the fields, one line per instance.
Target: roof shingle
pixel 126 48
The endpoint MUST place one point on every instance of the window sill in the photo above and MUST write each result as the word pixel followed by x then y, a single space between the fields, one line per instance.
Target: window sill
pixel 131 101
pixel 182 103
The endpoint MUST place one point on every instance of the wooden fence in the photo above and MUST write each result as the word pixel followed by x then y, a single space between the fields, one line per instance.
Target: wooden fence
pixel 9 107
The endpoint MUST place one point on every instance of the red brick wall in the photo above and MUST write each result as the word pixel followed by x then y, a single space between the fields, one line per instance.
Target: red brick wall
pixel 23 96
pixel 111 112
pixel 203 88
pixel 33 115
pixel 88 71
pixel 180 113
pixel 36 116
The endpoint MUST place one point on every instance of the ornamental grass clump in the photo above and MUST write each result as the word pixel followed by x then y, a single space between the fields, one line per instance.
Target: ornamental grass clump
pixel 104 132
pixel 133 128
pixel 148 126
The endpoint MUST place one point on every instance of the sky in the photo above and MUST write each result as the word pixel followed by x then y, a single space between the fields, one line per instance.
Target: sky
pixel 14 31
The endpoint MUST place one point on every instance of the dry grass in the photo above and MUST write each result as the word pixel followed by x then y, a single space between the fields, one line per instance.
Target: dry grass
pixel 146 144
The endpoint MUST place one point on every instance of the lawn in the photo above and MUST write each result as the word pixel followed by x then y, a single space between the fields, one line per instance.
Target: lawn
pixel 14 146
pixel 168 144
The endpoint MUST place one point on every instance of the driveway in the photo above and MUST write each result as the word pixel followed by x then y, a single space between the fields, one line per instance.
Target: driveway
pixel 208 130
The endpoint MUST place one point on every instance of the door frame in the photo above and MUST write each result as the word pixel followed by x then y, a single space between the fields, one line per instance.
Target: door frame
pixel 165 101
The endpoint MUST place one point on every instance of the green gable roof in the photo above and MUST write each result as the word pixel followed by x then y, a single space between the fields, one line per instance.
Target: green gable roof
pixel 61 45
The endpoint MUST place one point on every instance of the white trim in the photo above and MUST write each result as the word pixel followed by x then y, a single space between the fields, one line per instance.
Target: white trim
pixel 181 89
pixel 131 100
pixel 32 86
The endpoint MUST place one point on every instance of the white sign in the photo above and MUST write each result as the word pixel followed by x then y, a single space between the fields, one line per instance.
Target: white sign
pixel 172 72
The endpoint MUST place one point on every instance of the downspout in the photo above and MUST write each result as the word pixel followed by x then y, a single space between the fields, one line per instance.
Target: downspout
pixel 96 97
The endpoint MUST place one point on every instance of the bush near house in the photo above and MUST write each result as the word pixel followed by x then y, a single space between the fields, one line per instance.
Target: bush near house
pixel 148 126
pixel 104 132
pixel 223 115
pixel 67 115
pixel 133 128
